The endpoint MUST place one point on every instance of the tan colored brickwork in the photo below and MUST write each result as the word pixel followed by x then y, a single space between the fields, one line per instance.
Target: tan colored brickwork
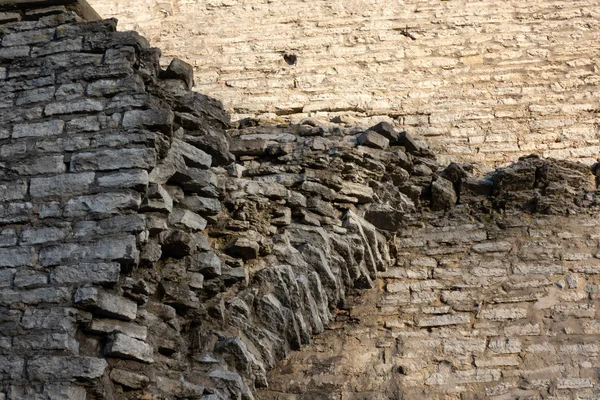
pixel 500 310
pixel 485 80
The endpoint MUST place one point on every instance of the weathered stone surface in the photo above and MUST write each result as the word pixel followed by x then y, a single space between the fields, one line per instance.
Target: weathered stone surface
pixel 102 273
pixel 134 179
pixel 61 184
pixel 129 379
pixel 373 139
pixel 17 256
pixel 112 325
pixel 107 160
pixel 49 128
pixel 123 346
pixel 104 303
pixel 56 368
pixel 76 106
pixel 443 195
pixel 161 119
pixel 278 246
pixel 179 69
pixel 244 248
pixel 103 203
pixel 188 219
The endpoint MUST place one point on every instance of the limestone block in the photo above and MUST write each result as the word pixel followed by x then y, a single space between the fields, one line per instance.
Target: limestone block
pixel 74 106
pixel 129 379
pixel 17 256
pixel 61 184
pixel 118 249
pixel 107 160
pixel 102 203
pixel 123 346
pixel 57 368
pixel 101 273
pixel 104 303
pixel 132 179
pixel 188 219
pixel 373 139
pixel 39 129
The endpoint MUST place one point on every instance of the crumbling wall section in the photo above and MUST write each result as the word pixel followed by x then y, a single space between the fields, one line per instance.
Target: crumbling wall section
pixel 137 258
pixel 150 250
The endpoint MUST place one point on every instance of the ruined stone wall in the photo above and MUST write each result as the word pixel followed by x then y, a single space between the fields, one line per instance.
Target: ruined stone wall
pixel 149 250
pixel 484 81
pixel 502 308
pixel 137 259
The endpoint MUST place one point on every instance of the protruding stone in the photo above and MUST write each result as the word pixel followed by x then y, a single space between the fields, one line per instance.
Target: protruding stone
pixel 243 248
pixel 123 346
pixel 443 195
pixel 179 69
pixel 103 303
pixel 373 139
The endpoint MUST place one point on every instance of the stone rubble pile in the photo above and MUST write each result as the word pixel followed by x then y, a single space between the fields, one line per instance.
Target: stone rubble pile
pixel 149 251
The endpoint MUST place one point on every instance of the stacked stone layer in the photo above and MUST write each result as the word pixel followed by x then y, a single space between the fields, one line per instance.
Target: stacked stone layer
pixel 484 81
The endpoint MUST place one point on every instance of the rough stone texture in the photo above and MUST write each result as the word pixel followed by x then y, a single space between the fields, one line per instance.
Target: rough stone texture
pixel 483 81
pixel 150 250
pixel 455 322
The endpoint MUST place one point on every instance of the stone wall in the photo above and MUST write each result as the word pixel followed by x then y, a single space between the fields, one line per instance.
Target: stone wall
pixel 150 250
pixel 483 81
pixel 137 259
pixel 499 308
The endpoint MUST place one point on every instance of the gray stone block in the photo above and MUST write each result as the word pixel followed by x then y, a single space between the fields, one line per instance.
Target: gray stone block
pixel 15 190
pixel 133 179
pixel 373 139
pixel 67 184
pixel 105 326
pixel 123 249
pixel 42 235
pixel 159 119
pixel 39 129
pixel 69 368
pixel 100 273
pixel 27 279
pixel 104 303
pixel 61 319
pixel 74 106
pixel 17 256
pixel 129 379
pixel 102 203
pixel 188 219
pixel 133 223
pixel 107 160
pixel 28 37
pixel 11 368
pixel 202 205
pixel 44 342
pixel 192 156
pixel 123 346
pixel 40 165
